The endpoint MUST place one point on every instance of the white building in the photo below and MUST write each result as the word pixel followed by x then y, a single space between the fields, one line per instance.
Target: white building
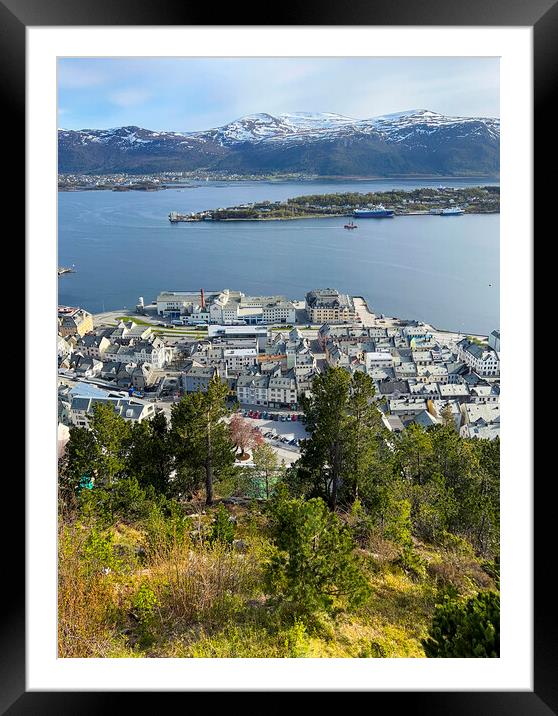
pixel 482 359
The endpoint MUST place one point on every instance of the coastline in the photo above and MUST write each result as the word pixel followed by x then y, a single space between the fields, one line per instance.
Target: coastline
pixel 369 318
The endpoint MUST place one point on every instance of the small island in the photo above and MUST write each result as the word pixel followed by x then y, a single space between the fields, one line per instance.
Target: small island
pixel 471 200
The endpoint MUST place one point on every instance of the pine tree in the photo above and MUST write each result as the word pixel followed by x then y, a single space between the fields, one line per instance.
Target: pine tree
pixel 201 438
pixel 468 629
pixel 346 431
pixel 314 566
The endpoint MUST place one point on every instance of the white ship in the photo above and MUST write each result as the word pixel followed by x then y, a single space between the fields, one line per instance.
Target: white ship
pixel 452 211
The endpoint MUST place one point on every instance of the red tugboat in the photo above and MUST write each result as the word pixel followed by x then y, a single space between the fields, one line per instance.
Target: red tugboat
pixel 350 225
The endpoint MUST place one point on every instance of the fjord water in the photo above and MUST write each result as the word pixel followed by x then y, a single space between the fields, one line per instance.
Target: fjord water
pixel 443 270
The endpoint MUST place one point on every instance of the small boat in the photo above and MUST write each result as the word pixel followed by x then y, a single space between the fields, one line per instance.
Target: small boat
pixel 350 225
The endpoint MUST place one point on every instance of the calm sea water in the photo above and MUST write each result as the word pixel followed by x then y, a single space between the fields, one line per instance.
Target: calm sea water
pixel 444 270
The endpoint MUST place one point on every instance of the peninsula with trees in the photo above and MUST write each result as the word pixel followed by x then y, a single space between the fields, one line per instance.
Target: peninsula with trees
pixel 425 200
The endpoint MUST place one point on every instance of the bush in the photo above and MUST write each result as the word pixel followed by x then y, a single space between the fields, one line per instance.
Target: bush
pixel 223 527
pixel 143 609
pixel 313 566
pixel 466 629
pixel 87 612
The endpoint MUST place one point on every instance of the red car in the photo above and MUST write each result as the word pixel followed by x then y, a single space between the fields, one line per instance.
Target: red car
pixel 294 417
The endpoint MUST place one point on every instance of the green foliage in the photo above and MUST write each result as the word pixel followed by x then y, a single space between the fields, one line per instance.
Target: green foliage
pixel 97 552
pixel 222 529
pixel 466 629
pixel 398 523
pixel 313 566
pixel 201 439
pixel 151 458
pixel 296 640
pixel 82 453
pixel 111 434
pixel 265 473
pixel 340 459
pixel 412 563
pixel 144 604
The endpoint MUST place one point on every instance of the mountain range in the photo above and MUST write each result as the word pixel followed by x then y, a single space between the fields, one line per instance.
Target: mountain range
pixel 416 142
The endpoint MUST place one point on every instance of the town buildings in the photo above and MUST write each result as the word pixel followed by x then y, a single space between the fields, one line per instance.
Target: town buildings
pixel 225 307
pixel 421 376
pixel 74 321
pixel 327 305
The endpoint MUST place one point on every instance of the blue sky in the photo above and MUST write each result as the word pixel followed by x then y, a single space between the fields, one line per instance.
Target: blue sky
pixel 188 94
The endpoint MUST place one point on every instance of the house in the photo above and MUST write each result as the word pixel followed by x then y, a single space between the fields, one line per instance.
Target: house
pixel 494 341
pixel 86 367
pixel 327 305
pixel 481 358
pixel 406 408
pixel 454 391
pixel 377 359
pixel 283 390
pixel 74 321
pixel 84 397
pixel 92 345
pixel 143 377
pixel 434 373
pixel 253 388
pixel 196 378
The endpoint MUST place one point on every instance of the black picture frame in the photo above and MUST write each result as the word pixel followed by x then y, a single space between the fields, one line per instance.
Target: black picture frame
pixel 15 16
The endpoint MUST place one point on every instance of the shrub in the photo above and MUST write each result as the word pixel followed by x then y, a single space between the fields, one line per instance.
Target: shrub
pixel 223 527
pixel 87 612
pixel 313 566
pixel 466 629
pixel 143 609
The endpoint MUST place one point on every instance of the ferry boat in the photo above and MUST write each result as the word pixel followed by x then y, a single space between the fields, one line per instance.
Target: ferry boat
pixel 452 211
pixel 375 212
pixel 350 225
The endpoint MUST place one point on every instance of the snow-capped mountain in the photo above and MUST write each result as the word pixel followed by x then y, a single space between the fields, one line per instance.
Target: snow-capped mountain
pixel 412 142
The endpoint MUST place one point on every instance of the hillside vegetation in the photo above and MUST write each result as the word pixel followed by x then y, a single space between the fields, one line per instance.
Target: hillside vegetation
pixel 372 545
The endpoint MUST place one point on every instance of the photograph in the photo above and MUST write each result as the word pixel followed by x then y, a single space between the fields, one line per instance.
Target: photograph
pixel 278 357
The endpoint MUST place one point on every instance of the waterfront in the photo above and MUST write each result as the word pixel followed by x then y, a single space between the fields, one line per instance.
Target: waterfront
pixel 441 270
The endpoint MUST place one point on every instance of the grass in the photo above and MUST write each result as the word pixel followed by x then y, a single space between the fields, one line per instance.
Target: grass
pixel 156 589
pixel 134 320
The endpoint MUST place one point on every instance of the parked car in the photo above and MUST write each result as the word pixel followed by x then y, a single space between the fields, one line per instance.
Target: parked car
pixel 289 418
pixel 295 417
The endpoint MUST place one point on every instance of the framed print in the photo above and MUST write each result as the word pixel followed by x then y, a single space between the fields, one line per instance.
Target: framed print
pixel 284 254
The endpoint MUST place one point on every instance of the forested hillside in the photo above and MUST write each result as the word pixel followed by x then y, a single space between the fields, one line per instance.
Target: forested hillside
pixel 373 544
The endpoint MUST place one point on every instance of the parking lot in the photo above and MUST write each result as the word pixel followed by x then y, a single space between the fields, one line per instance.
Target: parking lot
pixel 282 435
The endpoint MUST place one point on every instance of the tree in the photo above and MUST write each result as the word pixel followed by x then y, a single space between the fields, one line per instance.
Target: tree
pixel 447 416
pixel 265 465
pixel 151 458
pixel 201 438
pixel 365 463
pixel 345 433
pixel 465 629
pixel 111 434
pixel 81 455
pixel 314 566
pixel 243 435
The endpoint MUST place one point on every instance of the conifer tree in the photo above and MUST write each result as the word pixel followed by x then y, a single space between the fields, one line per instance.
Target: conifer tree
pixel 201 438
